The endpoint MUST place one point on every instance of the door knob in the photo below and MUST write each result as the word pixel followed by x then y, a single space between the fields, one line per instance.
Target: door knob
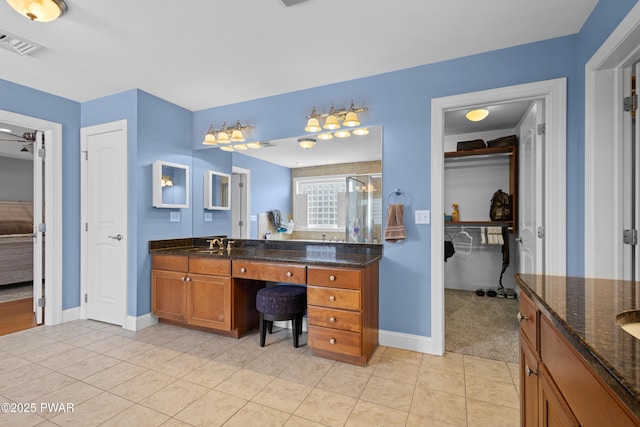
pixel 118 237
pixel 518 239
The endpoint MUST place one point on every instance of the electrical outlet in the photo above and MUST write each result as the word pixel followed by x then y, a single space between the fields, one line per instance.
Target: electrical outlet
pixel 208 217
pixel 174 216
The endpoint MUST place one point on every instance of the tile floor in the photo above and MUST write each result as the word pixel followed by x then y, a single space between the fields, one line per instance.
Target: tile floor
pixel 171 376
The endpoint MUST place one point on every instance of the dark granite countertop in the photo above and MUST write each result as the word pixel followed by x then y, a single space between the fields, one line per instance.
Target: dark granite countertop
pixel 584 311
pixel 309 253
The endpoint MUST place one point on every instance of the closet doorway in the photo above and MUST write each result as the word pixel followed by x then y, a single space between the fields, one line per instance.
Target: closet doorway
pixel 552 97
pixel 240 197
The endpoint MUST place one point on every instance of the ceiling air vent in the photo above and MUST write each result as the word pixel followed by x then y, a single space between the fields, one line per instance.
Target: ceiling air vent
pixel 16 44
pixel 288 3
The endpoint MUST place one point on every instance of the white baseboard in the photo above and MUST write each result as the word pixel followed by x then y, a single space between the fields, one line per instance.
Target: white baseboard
pixel 407 342
pixel 70 314
pixel 140 322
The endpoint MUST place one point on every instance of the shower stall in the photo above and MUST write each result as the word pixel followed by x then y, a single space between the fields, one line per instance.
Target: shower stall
pixel 364 209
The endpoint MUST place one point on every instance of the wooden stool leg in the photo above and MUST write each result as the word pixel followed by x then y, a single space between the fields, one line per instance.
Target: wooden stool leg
pixel 263 330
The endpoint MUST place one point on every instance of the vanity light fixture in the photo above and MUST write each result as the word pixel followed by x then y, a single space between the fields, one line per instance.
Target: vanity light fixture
pixel 39 10
pixel 227 135
pixel 348 117
pixel 477 115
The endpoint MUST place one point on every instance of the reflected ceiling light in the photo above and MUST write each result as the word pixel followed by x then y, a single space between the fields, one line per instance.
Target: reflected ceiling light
pixel 349 118
pixel 360 131
pixel 254 145
pixel 39 10
pixel 477 115
pixel 227 148
pixel 342 134
pixel 239 147
pixel 5 130
pixel 325 136
pixel 166 181
pixel 306 143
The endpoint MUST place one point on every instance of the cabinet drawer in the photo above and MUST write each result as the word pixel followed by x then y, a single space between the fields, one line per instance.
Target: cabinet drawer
pixel 529 320
pixel 213 266
pixel 170 262
pixel 336 319
pixel 333 298
pixel 272 272
pixel 335 341
pixel 348 278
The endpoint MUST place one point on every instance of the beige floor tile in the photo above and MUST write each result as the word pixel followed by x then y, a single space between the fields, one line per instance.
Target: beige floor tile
pixel 401 355
pixel 9 363
pixel 48 351
pixel 32 390
pixel 89 366
pixel 181 365
pixel 439 405
pixel 210 349
pixel 296 421
pixel 74 393
pixel 94 411
pixel 415 420
pixel 68 358
pixel 442 380
pixel 175 397
pixel 481 414
pixel 396 370
pixel 255 414
pixel 86 339
pixel 154 357
pixel 22 375
pixel 491 369
pixel 185 342
pixel 492 392
pixel 114 375
pixel 366 414
pixel 347 381
pixel 172 422
pixel 128 349
pixel 136 416
pixel 108 344
pixel 448 362
pixel 212 409
pixel 143 385
pixel 326 407
pixel 307 370
pixel 388 392
pixel 239 356
pixel 22 419
pixel 211 373
pixel 514 370
pixel 272 363
pixel 244 383
pixel 21 343
pixel 283 395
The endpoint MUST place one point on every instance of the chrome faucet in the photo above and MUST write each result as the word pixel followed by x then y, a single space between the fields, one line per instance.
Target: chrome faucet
pixel 219 242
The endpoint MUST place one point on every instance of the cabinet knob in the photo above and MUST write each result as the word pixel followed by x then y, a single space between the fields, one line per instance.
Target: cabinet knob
pixel 522 317
pixel 332 319
pixel 289 274
pixel 332 277
pixel 243 270
pixel 332 298
pixel 332 341
pixel 183 279
pixel 188 279
pixel 530 371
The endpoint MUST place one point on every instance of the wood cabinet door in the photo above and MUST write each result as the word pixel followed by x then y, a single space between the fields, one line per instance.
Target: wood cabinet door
pixel 168 294
pixel 528 384
pixel 209 301
pixel 554 411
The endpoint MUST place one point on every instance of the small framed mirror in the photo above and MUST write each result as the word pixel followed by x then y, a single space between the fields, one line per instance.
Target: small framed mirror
pixel 217 189
pixel 170 185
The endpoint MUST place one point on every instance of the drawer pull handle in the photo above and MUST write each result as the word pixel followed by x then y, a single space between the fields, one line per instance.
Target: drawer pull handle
pixel 289 274
pixel 332 278
pixel 332 319
pixel 332 298
pixel 522 317
pixel 243 270
pixel 530 371
pixel 332 341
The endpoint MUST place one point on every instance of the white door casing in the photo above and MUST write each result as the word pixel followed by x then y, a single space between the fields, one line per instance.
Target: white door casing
pixel 38 226
pixel 104 206
pixel 553 93
pixel 530 155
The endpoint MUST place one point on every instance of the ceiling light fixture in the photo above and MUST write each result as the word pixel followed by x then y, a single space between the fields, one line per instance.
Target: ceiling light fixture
pixel 477 115
pixel 39 10
pixel 306 143
pixel 227 135
pixel 348 117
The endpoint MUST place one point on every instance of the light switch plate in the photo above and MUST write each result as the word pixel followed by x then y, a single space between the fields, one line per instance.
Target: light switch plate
pixel 423 217
pixel 208 217
pixel 174 216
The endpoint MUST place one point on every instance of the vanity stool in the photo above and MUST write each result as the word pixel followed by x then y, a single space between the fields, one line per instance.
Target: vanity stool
pixel 282 302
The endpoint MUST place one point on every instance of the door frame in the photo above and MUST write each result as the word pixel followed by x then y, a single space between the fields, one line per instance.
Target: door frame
pixel 106 127
pixel 604 117
pixel 53 210
pixel 247 199
pixel 554 94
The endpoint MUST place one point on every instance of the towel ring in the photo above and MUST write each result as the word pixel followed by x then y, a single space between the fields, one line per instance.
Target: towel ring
pixel 397 193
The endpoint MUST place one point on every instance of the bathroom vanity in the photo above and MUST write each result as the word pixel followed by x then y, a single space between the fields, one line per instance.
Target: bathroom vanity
pixel 215 289
pixel 577 366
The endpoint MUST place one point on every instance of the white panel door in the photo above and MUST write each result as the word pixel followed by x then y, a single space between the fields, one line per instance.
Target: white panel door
pixel 106 226
pixel 38 225
pixel 530 209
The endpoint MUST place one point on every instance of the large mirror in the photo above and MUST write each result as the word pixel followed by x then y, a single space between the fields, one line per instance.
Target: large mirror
pixel 216 191
pixel 336 188
pixel 170 185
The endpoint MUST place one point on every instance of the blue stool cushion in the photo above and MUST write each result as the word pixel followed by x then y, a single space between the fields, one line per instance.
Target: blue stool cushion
pixel 282 300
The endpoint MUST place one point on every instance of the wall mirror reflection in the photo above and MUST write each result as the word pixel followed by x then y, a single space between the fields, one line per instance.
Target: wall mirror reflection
pixel 170 185
pixel 336 187
pixel 217 191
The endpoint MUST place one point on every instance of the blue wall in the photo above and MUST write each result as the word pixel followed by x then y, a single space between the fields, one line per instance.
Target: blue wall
pixel 399 101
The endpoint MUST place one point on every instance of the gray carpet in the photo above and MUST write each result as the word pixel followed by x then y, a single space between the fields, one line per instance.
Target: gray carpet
pixel 16 291
pixel 481 326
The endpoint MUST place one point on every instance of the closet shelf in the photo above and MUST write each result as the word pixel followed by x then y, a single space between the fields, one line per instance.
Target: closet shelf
pixel 493 151
pixel 487 223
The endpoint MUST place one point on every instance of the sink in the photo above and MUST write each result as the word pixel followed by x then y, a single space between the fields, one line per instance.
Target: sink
pixel 630 321
pixel 208 251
